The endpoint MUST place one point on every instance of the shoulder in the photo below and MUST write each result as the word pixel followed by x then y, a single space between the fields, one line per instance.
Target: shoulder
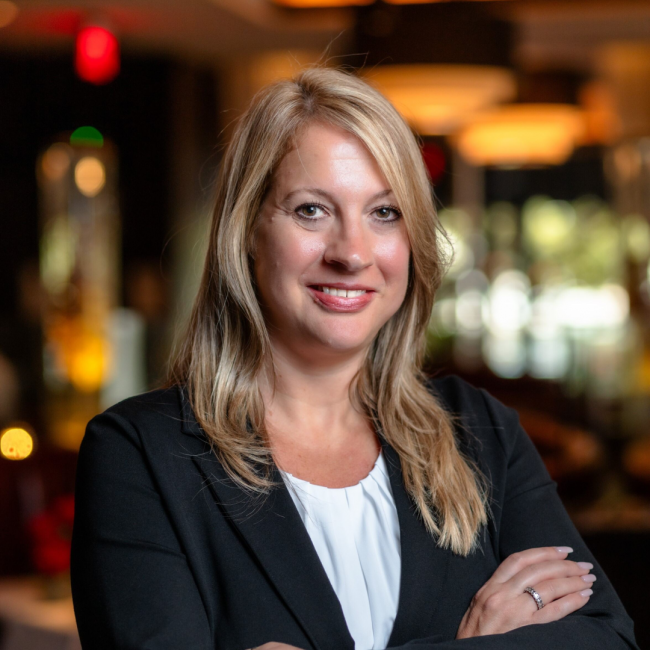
pixel 159 411
pixel 160 405
pixel 477 412
pixel 490 434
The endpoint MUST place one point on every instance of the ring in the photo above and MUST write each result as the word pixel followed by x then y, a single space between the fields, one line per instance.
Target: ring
pixel 536 597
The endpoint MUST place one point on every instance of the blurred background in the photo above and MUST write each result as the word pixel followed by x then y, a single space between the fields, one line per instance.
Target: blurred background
pixel 534 118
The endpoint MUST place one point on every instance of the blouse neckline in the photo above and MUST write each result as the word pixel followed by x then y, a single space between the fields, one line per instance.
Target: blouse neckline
pixel 378 467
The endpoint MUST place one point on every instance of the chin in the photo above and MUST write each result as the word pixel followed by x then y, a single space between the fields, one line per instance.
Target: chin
pixel 345 341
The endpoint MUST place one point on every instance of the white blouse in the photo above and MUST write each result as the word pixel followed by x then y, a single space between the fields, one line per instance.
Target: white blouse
pixel 355 531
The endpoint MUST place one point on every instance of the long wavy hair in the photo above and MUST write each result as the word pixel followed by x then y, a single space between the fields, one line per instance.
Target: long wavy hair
pixel 223 351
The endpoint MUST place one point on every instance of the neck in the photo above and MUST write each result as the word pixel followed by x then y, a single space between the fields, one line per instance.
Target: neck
pixel 313 398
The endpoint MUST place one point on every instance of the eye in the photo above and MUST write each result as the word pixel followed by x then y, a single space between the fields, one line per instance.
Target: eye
pixel 388 213
pixel 309 210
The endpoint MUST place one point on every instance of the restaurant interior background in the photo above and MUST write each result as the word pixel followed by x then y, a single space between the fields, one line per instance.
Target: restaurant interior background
pixel 534 118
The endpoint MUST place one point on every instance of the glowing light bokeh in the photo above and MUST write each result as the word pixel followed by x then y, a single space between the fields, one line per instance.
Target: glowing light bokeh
pixel 470 306
pixel 87 136
pixel 97 55
pixel 637 237
pixel 90 176
pixel 458 225
pixel 437 99
pixel 306 4
pixel 589 308
pixel 16 443
pixel 80 352
pixel 505 355
pixel 8 12
pixel 522 134
pixel 548 225
pixel 55 162
pixel 58 254
pixel 508 306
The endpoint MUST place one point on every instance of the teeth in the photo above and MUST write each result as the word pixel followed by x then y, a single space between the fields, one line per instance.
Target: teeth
pixel 342 293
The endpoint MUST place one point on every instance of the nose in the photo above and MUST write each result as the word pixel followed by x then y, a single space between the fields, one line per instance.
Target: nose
pixel 349 246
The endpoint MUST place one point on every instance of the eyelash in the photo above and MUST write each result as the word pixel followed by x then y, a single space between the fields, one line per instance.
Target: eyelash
pixel 394 208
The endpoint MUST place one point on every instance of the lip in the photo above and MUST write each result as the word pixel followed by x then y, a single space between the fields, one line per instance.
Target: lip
pixel 339 303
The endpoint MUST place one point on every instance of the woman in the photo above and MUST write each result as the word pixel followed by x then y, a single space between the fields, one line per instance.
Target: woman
pixel 299 483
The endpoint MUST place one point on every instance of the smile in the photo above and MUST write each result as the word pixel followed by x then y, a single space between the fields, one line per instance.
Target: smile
pixel 341 300
pixel 342 293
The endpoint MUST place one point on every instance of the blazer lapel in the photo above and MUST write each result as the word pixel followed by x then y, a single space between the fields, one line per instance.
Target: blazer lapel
pixel 273 531
pixel 424 564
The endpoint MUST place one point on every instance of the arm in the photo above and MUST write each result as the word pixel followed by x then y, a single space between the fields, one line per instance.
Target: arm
pixel 131 585
pixel 533 515
pixel 529 514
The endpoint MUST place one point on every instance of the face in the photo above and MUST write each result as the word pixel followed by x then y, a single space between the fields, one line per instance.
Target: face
pixel 331 248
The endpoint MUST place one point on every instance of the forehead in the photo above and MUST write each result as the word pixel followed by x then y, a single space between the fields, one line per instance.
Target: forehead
pixel 327 150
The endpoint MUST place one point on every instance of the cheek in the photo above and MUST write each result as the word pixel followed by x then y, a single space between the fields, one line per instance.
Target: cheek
pixel 283 255
pixel 393 259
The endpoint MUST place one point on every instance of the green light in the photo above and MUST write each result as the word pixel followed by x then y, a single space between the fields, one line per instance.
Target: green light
pixel 87 136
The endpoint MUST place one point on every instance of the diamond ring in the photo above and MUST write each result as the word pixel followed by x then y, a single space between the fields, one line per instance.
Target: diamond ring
pixel 536 597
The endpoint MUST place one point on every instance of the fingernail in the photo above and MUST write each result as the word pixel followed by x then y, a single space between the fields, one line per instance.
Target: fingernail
pixel 590 577
pixel 587 592
pixel 585 565
pixel 564 549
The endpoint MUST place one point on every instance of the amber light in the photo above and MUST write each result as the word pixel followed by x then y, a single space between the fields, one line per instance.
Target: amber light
pixel 522 134
pixel 437 99
pixel 427 2
pixel 323 4
pixel 16 443
pixel 8 12
pixel 305 4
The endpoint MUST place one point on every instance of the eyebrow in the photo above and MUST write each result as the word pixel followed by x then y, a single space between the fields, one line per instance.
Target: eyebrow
pixel 330 197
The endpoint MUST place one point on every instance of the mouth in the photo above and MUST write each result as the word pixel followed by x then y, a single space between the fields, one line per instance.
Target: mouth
pixel 341 293
pixel 341 299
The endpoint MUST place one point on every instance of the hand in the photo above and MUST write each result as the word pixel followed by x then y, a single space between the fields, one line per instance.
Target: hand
pixel 272 645
pixel 501 604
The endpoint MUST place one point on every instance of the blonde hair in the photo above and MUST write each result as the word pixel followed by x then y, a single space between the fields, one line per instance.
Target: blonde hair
pixel 223 351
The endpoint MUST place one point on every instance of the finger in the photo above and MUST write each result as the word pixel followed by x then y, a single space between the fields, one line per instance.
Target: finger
pixel 562 606
pixel 516 562
pixel 551 590
pixel 538 573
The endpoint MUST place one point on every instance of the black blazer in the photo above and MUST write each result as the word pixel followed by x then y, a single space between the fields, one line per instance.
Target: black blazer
pixel 168 553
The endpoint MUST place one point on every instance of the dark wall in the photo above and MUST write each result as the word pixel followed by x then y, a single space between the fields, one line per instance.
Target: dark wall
pixel 582 174
pixel 463 32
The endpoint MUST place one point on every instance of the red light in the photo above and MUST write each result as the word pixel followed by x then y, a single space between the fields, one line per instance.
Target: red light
pixel 434 159
pixel 97 57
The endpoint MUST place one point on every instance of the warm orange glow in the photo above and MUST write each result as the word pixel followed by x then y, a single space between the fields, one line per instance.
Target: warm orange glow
pixel 82 355
pixel 423 2
pixel 16 443
pixel 602 124
pixel 87 363
pixel 56 161
pixel 437 99
pixel 90 176
pixel 270 66
pixel 8 12
pixel 624 68
pixel 306 4
pixel 522 134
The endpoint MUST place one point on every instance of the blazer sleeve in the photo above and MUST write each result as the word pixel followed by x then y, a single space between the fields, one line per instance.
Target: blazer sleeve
pixel 528 514
pixel 131 585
